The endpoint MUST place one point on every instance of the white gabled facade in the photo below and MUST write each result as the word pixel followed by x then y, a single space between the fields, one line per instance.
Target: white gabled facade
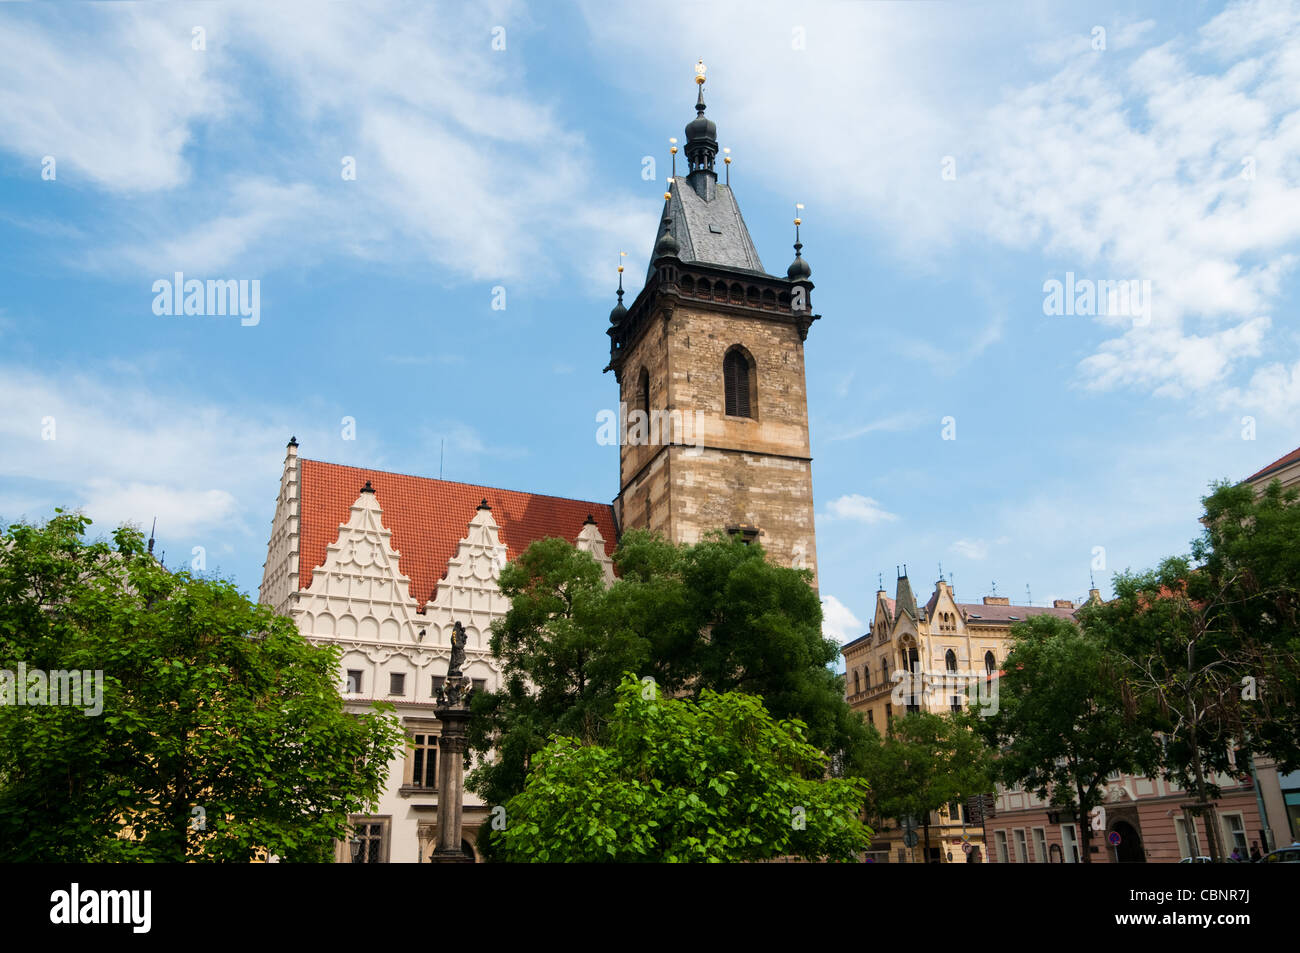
pixel 360 601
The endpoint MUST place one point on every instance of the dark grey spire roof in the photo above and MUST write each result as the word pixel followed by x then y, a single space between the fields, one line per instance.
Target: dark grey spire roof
pixel 709 230
pixel 906 602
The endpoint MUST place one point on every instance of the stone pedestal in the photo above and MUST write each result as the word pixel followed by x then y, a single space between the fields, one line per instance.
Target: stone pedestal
pixel 451 784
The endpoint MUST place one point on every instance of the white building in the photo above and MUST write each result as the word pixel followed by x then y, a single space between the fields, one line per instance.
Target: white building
pixel 381 565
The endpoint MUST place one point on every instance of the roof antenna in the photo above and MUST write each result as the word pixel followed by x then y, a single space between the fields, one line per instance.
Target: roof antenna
pixel 995 587
pixel 1028 597
pixel 880 581
pixel 441 449
pixel 152 532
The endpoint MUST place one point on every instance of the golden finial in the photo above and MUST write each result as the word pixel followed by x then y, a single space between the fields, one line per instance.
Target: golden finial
pixel 699 72
pixel 673 143
pixel 798 207
pixel 621 256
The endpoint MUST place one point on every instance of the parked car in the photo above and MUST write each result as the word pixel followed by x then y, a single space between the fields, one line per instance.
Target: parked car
pixel 1283 855
pixel 1196 860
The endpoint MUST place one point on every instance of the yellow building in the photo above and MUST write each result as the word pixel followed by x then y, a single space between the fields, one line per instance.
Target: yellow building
pixel 940 649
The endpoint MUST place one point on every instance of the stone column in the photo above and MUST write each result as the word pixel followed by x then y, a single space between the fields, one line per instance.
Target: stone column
pixel 451 784
pixel 453 713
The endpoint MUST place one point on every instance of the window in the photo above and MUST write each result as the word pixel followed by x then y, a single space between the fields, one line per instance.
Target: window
pixel 1234 829
pixel 1070 838
pixel 1000 839
pixel 353 686
pixel 951 660
pixel 889 713
pixel 871 718
pixel 437 683
pixel 1187 846
pixel 424 761
pixel 1022 847
pixel 955 705
pixel 396 683
pixel 954 811
pixel 369 841
pixel 1040 845
pixel 480 684
pixel 884 670
pixel 857 682
pixel 990 663
pixel 737 384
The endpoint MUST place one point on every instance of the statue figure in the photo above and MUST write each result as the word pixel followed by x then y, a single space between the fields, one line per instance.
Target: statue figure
pixel 456 688
pixel 458 640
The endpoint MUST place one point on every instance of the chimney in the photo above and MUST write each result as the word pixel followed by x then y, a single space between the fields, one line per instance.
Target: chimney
pixel 1062 604
pixel 1094 596
pixel 997 600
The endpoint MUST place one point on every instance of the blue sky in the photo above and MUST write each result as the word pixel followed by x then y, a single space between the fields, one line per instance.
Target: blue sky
pixel 1163 149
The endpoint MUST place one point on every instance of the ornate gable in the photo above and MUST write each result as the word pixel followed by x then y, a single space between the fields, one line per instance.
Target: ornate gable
pixel 359 594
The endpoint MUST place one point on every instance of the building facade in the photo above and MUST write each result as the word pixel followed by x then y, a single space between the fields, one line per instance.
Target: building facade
pixel 943 647
pixel 713 436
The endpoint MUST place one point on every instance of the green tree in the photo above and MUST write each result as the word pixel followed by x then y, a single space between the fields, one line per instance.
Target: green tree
pixel 923 762
pixel 713 616
pixel 222 734
pixel 1209 644
pixel 1060 726
pixel 712 780
pixel 1250 558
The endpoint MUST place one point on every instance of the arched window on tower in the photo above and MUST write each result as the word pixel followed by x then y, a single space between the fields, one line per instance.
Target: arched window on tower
pixel 951 659
pixel 738 383
pixel 643 392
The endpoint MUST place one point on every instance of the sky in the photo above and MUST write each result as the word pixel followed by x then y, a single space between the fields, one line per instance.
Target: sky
pixel 389 172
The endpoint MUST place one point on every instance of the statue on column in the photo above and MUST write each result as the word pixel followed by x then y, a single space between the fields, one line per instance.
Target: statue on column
pixel 456 688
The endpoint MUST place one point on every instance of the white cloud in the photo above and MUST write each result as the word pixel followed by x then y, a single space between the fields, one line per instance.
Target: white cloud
pixel 112 97
pixel 975 549
pixel 123 454
pixel 855 506
pixel 838 622
pixel 460 160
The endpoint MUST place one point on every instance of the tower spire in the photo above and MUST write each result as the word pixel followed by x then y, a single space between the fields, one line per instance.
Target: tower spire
pixel 616 315
pixel 799 269
pixel 701 133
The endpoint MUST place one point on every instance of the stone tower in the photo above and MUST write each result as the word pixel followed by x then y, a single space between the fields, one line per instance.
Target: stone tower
pixel 709 362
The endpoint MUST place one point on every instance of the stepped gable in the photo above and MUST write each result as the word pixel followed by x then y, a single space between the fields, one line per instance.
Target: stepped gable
pixel 427 518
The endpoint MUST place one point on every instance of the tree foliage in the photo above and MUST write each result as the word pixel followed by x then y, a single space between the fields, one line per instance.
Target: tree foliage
pixel 222 734
pixel 716 779
pixel 712 616
pixel 1061 726
pixel 923 762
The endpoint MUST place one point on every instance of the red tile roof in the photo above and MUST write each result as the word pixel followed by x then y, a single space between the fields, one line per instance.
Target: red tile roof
pixel 428 518
pixel 1277 464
